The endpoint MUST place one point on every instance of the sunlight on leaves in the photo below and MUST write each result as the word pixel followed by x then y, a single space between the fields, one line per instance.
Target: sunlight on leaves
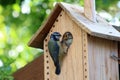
pixel 1 19
pixel 1 9
pixel 16 7
pixel 1 63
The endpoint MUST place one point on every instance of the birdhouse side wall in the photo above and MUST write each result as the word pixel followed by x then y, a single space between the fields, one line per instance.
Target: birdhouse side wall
pixel 72 65
pixel 32 71
pixel 101 65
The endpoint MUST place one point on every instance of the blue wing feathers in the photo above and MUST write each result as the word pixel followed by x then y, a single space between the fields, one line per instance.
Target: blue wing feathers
pixel 54 53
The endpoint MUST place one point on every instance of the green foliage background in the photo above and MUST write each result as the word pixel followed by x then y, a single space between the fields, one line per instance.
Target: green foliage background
pixel 17 28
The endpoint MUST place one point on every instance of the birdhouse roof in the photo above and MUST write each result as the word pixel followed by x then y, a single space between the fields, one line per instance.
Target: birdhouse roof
pixel 100 28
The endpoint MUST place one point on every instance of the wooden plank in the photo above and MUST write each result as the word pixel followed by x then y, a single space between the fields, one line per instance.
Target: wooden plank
pixel 101 65
pixel 32 71
pixel 89 10
pixel 119 52
pixel 39 36
pixel 71 64
pixel 85 55
pixel 47 60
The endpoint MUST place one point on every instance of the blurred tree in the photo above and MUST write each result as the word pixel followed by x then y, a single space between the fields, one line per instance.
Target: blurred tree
pixel 19 19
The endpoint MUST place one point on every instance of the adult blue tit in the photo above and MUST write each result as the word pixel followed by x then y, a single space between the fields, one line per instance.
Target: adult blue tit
pixel 54 47
pixel 67 40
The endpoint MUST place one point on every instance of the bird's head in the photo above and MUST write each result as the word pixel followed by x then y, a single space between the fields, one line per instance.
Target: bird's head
pixel 56 36
pixel 67 36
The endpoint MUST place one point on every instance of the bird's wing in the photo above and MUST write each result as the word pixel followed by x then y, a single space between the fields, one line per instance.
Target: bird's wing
pixel 53 50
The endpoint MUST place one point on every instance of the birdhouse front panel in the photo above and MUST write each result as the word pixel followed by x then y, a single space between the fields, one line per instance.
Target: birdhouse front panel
pixel 72 64
pixel 101 65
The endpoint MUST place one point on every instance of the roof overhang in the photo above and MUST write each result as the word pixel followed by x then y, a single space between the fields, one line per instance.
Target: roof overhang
pixel 99 29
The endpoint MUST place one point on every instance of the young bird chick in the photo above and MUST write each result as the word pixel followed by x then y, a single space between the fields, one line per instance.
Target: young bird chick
pixel 54 50
pixel 66 41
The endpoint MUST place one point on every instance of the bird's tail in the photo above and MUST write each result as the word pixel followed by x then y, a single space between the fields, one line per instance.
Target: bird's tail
pixel 57 71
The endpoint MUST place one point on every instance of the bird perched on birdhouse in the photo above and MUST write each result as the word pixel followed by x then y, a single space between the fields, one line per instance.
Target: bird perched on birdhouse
pixel 53 46
pixel 57 48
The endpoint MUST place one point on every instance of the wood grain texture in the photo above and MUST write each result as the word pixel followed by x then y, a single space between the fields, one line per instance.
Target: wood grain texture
pixel 76 13
pixel 72 63
pixel 100 29
pixel 85 55
pixel 32 71
pixel 89 10
pixel 101 65
pixel 119 53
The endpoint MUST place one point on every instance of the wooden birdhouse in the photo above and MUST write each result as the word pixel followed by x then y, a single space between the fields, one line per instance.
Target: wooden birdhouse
pixel 92 55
